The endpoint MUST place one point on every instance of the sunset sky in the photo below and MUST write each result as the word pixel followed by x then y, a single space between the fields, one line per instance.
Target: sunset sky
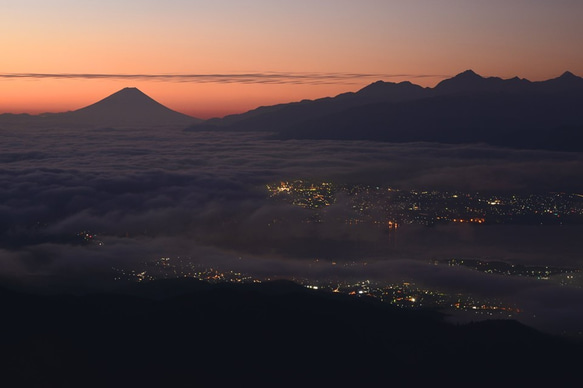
pixel 211 58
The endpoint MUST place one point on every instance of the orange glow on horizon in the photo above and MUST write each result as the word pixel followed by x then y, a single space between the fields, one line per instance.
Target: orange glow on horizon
pixel 206 100
pixel 202 100
pixel 418 40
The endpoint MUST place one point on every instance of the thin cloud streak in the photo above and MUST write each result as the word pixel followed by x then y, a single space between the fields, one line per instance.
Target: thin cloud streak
pixel 242 78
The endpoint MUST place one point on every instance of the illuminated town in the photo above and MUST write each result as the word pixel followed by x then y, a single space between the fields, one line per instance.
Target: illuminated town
pixel 403 294
pixel 392 208
pixel 382 205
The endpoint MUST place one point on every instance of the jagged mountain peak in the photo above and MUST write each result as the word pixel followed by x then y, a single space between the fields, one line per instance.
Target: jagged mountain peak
pixel 566 81
pixel 469 74
pixel 568 75
pixel 470 82
pixel 382 91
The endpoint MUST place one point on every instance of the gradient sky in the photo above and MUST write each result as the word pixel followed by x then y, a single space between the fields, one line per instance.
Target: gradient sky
pixel 288 51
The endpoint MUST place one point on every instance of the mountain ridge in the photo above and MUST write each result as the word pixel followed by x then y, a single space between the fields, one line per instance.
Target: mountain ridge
pixel 466 108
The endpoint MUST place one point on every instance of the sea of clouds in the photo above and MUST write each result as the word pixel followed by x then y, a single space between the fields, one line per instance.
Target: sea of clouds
pixel 149 194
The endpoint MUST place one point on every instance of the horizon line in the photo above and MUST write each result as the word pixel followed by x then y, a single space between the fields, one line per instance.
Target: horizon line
pixel 300 78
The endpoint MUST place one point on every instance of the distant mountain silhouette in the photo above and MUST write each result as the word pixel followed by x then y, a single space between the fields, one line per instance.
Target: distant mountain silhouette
pixel 470 82
pixel 129 107
pixel 467 108
pixel 278 117
pixel 515 120
pixel 567 81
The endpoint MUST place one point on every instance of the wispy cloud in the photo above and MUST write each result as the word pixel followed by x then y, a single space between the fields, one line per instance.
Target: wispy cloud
pixel 243 78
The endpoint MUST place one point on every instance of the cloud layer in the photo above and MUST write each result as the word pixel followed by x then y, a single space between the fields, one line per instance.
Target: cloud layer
pixel 243 78
pixel 202 197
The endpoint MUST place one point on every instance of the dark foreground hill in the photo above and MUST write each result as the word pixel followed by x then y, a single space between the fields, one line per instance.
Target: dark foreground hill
pixel 191 334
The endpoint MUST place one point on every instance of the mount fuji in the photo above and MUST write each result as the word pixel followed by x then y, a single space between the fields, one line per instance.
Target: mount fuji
pixel 126 108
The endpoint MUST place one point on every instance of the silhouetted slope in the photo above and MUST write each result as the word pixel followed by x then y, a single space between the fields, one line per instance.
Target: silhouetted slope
pixel 566 82
pixel 550 121
pixel 128 107
pixel 468 82
pixel 467 108
pixel 267 334
pixel 278 117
